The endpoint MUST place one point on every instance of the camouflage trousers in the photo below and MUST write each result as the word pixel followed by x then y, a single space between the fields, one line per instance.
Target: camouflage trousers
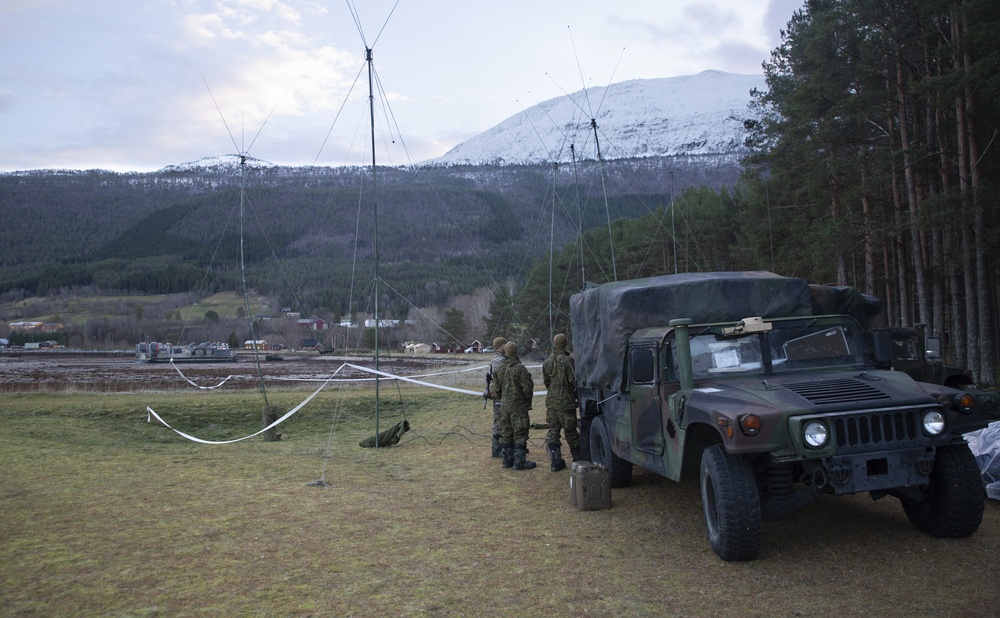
pixel 564 421
pixel 496 418
pixel 514 425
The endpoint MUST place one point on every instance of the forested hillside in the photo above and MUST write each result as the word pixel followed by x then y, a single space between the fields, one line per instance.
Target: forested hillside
pixel 307 234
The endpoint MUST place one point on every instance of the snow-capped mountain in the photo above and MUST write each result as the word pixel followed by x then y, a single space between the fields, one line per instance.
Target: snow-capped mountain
pixel 218 163
pixel 699 114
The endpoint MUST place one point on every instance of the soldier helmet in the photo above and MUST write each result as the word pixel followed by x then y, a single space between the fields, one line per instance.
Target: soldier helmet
pixel 510 349
pixel 498 343
pixel 559 341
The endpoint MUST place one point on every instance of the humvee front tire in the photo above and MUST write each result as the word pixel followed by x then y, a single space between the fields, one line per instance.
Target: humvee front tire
pixel 619 470
pixel 953 500
pixel 731 505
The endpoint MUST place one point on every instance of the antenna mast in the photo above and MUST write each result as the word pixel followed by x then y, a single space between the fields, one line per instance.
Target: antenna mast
pixel 243 275
pixel 600 159
pixel 673 225
pixel 604 188
pixel 579 215
pixel 552 233
pixel 371 111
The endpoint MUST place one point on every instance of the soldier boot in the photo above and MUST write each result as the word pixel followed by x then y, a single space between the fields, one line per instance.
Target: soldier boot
pixel 508 455
pixel 497 448
pixel 555 453
pixel 520 459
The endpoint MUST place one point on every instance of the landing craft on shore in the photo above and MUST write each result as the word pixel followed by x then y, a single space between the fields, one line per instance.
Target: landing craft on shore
pixel 207 352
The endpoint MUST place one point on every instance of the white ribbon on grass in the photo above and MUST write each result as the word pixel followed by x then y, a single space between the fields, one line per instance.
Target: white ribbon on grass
pixel 422 375
pixel 188 380
pixel 422 383
pixel 151 414
pixel 413 381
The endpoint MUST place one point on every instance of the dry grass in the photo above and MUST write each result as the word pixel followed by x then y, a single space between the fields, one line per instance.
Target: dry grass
pixel 104 514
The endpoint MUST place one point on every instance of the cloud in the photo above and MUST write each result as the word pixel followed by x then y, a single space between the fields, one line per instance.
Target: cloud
pixel 128 76
pixel 262 64
pixel 696 36
pixel 777 16
pixel 204 28
pixel 7 100
pixel 703 17
pixel 739 56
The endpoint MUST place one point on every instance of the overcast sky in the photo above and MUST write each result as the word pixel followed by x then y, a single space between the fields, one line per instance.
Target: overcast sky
pixel 128 85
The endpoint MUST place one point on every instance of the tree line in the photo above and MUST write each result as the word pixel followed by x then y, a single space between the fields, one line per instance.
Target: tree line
pixel 875 159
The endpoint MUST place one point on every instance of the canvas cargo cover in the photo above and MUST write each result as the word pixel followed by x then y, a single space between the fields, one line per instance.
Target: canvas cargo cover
pixel 845 300
pixel 605 316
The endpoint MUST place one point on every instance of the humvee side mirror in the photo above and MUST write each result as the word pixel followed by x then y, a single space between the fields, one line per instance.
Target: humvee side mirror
pixel 881 342
pixel 933 347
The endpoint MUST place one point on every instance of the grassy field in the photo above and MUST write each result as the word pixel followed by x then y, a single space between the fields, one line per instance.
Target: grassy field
pixel 106 514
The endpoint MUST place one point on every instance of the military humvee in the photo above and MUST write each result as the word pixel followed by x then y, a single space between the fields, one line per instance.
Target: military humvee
pixel 920 356
pixel 736 380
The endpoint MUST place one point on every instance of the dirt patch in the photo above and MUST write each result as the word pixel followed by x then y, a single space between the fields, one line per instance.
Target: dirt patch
pixel 31 371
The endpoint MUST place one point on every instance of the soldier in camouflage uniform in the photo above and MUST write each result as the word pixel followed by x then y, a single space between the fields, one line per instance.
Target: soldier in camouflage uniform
pixel 494 381
pixel 559 374
pixel 515 390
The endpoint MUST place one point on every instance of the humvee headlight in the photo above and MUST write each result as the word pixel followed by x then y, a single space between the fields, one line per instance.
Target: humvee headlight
pixel 815 434
pixel 933 422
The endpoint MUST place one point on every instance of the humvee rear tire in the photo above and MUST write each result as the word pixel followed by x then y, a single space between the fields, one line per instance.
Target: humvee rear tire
pixel 731 505
pixel 619 470
pixel 953 501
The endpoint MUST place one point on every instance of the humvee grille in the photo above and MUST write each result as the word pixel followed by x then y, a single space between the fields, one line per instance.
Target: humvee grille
pixel 890 428
pixel 832 392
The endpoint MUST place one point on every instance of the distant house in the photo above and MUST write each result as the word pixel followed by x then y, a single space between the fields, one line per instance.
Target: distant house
pixel 4 343
pixel 415 347
pixel 25 326
pixel 255 344
pixel 312 324
pixel 309 343
pixel 475 346
pixel 384 323
pixel 40 327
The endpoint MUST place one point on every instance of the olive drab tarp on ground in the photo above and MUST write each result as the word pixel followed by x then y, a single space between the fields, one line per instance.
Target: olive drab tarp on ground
pixel 388 437
pixel 604 316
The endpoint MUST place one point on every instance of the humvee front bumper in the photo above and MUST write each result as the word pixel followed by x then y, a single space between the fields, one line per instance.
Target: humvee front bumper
pixel 848 474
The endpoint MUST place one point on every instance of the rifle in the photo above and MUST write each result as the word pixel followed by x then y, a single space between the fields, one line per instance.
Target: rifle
pixel 486 393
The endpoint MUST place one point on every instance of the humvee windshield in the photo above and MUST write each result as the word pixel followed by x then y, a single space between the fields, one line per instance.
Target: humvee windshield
pixel 790 345
pixel 906 348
